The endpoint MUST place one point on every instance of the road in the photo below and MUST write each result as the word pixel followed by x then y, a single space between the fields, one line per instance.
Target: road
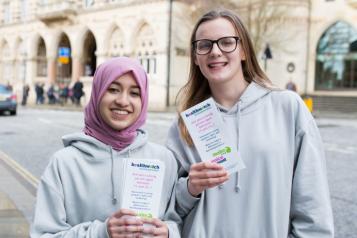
pixel 33 136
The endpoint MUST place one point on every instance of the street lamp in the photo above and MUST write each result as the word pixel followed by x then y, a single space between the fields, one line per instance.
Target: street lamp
pixel 267 55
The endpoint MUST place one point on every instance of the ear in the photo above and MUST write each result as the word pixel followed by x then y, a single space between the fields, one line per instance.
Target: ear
pixel 242 55
pixel 195 60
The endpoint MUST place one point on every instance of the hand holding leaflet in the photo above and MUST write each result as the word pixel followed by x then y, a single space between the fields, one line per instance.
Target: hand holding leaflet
pixel 208 133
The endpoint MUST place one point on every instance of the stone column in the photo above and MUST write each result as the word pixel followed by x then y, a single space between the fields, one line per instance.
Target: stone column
pixel 51 70
pixel 77 68
pixel 101 57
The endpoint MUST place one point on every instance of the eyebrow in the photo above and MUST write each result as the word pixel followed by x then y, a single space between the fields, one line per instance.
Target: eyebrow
pixel 119 85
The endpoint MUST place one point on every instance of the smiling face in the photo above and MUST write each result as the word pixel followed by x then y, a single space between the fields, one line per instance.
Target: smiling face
pixel 121 104
pixel 217 66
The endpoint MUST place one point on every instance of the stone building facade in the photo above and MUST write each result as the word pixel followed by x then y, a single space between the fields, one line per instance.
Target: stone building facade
pixel 55 42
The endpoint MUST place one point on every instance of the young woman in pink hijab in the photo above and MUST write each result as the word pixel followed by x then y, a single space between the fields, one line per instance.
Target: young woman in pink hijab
pixel 80 191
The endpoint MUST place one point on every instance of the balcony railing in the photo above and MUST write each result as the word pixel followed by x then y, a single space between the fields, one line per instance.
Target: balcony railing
pixel 56 10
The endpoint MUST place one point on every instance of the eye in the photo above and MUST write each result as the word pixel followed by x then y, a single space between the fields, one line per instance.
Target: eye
pixel 227 42
pixel 135 93
pixel 113 90
pixel 204 44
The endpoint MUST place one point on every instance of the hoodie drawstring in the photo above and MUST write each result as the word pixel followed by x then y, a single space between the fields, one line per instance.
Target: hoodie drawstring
pixel 236 186
pixel 114 199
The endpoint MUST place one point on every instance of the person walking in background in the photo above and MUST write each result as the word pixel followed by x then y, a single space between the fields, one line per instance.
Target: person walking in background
pixel 9 86
pixel 51 95
pixel 39 93
pixel 25 94
pixel 63 94
pixel 291 86
pixel 78 92
pixel 80 191
pixel 283 191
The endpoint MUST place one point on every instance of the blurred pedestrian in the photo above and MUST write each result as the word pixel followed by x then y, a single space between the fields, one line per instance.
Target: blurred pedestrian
pixel 39 93
pixel 51 95
pixel 77 92
pixel 25 94
pixel 63 93
pixel 291 86
pixel 9 86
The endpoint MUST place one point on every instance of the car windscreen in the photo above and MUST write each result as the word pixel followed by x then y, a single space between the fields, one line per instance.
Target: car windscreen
pixel 3 89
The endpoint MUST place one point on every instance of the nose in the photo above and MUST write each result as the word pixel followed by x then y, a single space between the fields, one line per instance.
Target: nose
pixel 122 99
pixel 215 49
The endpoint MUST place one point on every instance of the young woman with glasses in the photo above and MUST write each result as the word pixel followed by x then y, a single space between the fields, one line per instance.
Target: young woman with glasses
pixel 283 190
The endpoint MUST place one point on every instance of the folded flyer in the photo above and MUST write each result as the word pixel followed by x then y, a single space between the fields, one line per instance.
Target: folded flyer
pixel 211 138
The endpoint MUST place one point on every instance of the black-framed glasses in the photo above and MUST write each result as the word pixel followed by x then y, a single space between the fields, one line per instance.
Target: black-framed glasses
pixel 226 44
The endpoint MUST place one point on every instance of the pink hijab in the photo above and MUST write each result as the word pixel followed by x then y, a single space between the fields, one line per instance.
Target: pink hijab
pixel 105 74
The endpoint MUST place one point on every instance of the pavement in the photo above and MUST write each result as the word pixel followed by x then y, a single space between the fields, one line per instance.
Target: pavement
pixel 17 186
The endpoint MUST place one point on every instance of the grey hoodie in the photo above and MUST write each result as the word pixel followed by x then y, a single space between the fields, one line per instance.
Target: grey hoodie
pixel 81 187
pixel 283 190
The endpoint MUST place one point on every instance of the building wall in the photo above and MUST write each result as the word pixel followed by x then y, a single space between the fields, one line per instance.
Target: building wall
pixel 100 20
pixel 294 40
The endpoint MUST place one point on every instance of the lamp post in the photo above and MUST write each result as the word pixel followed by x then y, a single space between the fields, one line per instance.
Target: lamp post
pixel 267 55
pixel 169 54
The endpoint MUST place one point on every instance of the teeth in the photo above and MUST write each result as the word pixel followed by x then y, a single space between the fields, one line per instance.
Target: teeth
pixel 120 112
pixel 216 65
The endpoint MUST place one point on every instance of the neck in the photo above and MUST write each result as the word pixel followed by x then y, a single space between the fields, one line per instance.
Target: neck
pixel 227 94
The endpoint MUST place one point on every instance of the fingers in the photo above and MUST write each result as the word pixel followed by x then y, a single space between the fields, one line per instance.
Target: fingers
pixel 208 182
pixel 205 175
pixel 127 229
pixel 123 212
pixel 206 165
pixel 155 227
pixel 124 223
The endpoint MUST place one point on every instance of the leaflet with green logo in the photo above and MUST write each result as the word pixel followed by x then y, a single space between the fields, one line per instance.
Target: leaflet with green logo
pixel 143 182
pixel 208 133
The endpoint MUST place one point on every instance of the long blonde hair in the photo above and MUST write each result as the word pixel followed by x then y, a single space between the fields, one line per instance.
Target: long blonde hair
pixel 197 89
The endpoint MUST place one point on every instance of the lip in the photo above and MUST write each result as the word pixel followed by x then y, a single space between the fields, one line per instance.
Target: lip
pixel 216 65
pixel 120 114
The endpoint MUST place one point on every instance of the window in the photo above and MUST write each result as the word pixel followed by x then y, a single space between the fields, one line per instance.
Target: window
pixel 23 10
pixel 146 49
pixel 41 59
pixel 88 3
pixel 6 12
pixel 336 58
pixel 116 45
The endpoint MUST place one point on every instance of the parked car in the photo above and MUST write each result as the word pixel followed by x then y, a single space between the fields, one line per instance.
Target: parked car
pixel 8 100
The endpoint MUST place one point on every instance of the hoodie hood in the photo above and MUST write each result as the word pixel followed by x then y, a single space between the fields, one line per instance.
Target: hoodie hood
pixel 97 149
pixel 248 101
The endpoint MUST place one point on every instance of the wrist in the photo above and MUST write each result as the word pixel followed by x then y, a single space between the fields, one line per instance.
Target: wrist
pixel 192 190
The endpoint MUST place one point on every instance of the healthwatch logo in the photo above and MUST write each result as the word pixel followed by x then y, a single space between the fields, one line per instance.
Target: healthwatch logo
pixel 219 158
pixel 145 166
pixel 198 110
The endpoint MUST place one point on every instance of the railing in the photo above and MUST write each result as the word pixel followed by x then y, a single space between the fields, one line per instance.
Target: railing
pixel 56 10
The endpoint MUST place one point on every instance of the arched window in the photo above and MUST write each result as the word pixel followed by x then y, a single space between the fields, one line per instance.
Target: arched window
pixel 146 49
pixel 41 59
pixel 90 59
pixel 64 61
pixel 116 45
pixel 336 58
